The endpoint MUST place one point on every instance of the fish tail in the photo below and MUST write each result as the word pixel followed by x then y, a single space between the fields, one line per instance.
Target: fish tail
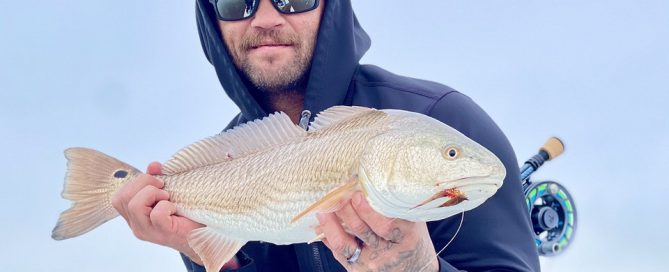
pixel 92 179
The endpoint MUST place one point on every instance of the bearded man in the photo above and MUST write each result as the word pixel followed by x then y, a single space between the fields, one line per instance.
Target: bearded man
pixel 301 57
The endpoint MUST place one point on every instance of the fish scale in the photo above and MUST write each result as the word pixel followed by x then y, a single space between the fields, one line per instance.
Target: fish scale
pixel 331 157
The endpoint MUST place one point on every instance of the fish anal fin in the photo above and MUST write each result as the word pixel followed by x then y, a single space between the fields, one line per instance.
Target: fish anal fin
pixel 214 248
pixel 271 131
pixel 332 201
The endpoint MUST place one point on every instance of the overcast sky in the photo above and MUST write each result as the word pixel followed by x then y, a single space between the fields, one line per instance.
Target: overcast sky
pixel 129 78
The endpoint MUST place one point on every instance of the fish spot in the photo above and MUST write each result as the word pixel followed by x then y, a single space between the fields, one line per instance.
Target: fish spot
pixel 120 174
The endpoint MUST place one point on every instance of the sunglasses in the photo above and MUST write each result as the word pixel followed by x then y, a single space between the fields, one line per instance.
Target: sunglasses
pixel 233 10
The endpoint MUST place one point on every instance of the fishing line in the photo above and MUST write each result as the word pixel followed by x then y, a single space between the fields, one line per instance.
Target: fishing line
pixel 462 219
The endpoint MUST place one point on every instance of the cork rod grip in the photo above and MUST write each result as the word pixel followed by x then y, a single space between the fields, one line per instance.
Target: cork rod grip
pixel 554 147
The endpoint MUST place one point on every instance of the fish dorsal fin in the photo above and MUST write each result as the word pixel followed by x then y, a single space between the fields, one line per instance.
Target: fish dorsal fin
pixel 337 114
pixel 214 248
pixel 273 130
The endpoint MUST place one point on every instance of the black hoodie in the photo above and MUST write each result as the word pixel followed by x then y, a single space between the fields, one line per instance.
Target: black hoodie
pixel 494 237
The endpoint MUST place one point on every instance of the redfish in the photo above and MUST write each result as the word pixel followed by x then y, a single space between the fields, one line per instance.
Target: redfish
pixel 265 180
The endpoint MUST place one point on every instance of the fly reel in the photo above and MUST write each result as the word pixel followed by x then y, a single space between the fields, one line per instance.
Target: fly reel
pixel 549 204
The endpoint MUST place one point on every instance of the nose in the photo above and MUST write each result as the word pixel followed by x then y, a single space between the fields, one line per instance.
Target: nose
pixel 267 17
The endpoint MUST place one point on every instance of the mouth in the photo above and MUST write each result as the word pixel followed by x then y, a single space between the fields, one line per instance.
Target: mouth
pixel 466 181
pixel 270 50
pixel 269 44
pixel 461 190
pixel 453 195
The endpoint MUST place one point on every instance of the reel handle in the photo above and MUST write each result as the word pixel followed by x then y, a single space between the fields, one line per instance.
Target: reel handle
pixel 553 148
pixel 550 150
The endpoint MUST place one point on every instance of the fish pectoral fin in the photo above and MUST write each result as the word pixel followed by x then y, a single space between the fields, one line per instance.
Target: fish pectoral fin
pixel 214 248
pixel 332 201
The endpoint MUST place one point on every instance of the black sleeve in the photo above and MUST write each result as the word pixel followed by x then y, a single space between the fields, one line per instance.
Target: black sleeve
pixel 497 235
pixel 246 264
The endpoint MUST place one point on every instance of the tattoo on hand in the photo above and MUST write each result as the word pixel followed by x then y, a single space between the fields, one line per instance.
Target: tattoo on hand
pixel 412 260
pixel 396 236
pixel 372 239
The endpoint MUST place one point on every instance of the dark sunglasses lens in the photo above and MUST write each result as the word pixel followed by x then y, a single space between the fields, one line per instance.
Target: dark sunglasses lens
pixel 294 6
pixel 235 9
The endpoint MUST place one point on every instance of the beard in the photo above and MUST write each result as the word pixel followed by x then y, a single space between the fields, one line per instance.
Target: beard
pixel 266 73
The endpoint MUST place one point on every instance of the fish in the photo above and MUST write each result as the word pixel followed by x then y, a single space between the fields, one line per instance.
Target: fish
pixel 267 179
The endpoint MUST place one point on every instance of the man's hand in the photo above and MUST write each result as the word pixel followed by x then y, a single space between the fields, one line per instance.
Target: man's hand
pixel 387 244
pixel 150 214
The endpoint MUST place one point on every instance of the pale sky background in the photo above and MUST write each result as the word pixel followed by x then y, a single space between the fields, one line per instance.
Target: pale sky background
pixel 129 78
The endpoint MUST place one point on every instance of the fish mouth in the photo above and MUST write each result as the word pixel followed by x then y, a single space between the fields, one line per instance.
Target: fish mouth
pixel 490 182
pixel 452 196
pixel 459 190
pixel 483 179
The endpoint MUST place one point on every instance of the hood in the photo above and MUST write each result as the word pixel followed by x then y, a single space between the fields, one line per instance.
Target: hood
pixel 340 44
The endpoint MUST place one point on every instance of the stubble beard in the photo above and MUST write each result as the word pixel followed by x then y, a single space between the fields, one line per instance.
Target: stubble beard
pixel 288 78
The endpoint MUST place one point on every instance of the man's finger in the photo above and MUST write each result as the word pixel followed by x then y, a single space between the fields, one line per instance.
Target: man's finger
pixel 154 168
pixel 122 198
pixel 357 226
pixel 130 189
pixel 161 216
pixel 163 226
pixel 148 197
pixel 339 242
pixel 387 228
pixel 140 206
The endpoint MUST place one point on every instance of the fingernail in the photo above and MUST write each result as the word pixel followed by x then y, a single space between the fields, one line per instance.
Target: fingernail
pixel 356 199
pixel 320 217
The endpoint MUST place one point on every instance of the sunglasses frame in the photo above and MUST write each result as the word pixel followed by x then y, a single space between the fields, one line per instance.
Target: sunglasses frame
pixel 253 12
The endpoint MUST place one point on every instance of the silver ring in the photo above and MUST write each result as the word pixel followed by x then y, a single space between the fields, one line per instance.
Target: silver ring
pixel 356 255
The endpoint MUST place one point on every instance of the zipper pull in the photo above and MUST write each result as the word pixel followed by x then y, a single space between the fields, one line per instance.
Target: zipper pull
pixel 304 119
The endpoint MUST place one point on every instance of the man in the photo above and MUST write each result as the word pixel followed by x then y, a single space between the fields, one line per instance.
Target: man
pixel 301 57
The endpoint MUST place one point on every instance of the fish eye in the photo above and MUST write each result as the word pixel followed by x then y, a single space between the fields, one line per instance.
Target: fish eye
pixel 120 174
pixel 451 153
